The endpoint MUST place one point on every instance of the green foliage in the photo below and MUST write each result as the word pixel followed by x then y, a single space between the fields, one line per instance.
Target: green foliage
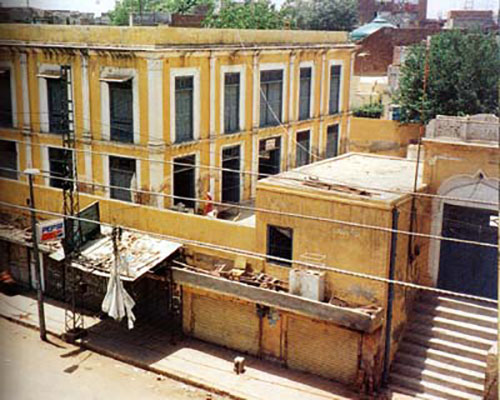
pixel 327 15
pixel 371 110
pixel 259 14
pixel 120 14
pixel 463 77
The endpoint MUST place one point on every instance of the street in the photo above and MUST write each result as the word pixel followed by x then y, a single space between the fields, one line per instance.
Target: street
pixel 31 369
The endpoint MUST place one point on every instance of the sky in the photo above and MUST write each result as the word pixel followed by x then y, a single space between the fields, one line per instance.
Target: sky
pixel 436 8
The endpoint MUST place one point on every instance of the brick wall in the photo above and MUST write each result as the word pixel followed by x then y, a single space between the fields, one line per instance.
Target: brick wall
pixel 376 53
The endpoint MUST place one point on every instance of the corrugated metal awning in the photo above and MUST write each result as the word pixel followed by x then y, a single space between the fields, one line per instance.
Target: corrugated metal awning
pixel 50 74
pixel 115 78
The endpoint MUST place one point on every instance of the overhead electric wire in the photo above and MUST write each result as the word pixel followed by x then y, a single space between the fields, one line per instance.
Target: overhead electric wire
pixel 258 255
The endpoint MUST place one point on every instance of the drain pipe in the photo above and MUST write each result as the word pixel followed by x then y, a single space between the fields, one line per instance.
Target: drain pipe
pixel 390 295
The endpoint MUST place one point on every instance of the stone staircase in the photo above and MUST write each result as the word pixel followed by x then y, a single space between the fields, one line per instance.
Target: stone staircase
pixel 443 353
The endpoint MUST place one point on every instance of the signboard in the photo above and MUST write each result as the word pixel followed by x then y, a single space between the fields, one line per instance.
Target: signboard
pixel 494 221
pixel 270 144
pixel 81 232
pixel 50 230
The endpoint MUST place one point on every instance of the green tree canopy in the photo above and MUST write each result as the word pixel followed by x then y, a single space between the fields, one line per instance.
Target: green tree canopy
pixel 326 15
pixel 258 14
pixel 463 77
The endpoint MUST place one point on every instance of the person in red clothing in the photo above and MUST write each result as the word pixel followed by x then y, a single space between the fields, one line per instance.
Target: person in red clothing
pixel 208 206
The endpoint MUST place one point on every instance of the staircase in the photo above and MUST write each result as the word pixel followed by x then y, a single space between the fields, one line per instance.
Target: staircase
pixel 443 353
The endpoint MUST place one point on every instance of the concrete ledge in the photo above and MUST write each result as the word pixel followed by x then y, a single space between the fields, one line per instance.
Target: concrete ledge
pixel 342 316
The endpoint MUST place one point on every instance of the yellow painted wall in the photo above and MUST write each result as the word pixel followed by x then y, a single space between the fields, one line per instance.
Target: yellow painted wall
pixel 381 136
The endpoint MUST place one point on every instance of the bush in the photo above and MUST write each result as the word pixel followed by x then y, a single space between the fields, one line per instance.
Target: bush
pixel 372 110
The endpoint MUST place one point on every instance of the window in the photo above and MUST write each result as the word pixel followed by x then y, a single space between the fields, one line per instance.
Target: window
pixel 305 93
pixel 184 181
pixel 231 102
pixel 271 97
pixel 332 139
pixel 269 156
pixel 303 151
pixel 57 92
pixel 60 166
pixel 335 71
pixel 279 244
pixel 5 99
pixel 231 180
pixel 121 174
pixel 8 159
pixel 183 109
pixel 121 111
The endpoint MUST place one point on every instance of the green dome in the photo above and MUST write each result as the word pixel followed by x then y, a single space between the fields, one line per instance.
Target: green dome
pixel 368 29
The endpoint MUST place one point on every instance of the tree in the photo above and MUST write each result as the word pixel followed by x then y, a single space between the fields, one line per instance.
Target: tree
pixel 259 14
pixel 120 14
pixel 463 77
pixel 326 15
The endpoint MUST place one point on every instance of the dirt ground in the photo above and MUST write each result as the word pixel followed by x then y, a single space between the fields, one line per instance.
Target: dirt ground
pixel 32 369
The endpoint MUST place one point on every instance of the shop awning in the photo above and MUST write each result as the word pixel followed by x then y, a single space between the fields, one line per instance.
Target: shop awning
pixel 116 78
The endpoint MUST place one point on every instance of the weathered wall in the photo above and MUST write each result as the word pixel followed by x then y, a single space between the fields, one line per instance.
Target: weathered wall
pixel 379 136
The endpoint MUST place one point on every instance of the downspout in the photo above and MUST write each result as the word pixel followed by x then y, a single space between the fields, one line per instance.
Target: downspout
pixel 390 295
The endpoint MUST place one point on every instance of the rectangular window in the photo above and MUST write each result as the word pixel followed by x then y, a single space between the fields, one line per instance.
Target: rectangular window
pixel 231 102
pixel 231 180
pixel 121 175
pixel 8 159
pixel 271 97
pixel 121 111
pixel 184 181
pixel 334 105
pixel 184 109
pixel 280 245
pixel 5 99
pixel 57 92
pixel 302 155
pixel 269 156
pixel 61 166
pixel 332 140
pixel 305 93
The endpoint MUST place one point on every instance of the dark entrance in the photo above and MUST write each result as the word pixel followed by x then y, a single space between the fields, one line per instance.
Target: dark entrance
pixel 468 268
pixel 231 180
pixel 184 181
pixel 269 156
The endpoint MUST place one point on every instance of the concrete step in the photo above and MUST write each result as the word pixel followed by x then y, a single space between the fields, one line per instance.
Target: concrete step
pixel 431 388
pixel 444 368
pixel 446 380
pixel 418 350
pixel 457 315
pixel 458 326
pixel 451 335
pixel 411 392
pixel 472 306
pixel 447 346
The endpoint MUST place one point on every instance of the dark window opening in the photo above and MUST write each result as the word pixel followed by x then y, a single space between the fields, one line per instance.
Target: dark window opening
pixel 5 100
pixel 121 111
pixel 231 182
pixel 231 102
pixel 334 101
pixel 332 140
pixel 57 91
pixel 269 156
pixel 305 93
pixel 61 166
pixel 184 181
pixel 121 175
pixel 184 109
pixel 302 156
pixel 271 97
pixel 280 245
pixel 8 159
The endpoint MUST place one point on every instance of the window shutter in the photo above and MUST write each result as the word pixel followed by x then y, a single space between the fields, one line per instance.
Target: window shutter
pixel 183 109
pixel 334 89
pixel 121 111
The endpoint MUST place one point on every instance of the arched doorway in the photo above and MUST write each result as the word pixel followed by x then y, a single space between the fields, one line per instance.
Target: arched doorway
pixel 462 267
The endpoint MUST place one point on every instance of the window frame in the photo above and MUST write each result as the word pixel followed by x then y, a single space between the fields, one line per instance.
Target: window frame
pixel 121 137
pixel 17 161
pixel 187 136
pixel 299 148
pixel 337 142
pixel 270 255
pixel 241 146
pixel 131 188
pixel 196 178
pixel 44 73
pixel 54 178
pixel 257 92
pixel 306 65
pixel 225 69
pixel 257 159
pixel 331 64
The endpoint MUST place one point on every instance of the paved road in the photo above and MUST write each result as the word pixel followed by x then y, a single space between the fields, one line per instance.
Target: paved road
pixel 31 369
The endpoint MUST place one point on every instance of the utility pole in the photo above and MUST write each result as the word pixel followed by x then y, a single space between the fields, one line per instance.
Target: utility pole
pixel 34 239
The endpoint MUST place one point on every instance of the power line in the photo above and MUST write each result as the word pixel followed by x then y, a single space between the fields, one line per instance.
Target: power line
pixel 261 256
pixel 294 215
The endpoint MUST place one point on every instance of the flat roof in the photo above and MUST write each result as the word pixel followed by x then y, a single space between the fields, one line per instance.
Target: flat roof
pixel 366 176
